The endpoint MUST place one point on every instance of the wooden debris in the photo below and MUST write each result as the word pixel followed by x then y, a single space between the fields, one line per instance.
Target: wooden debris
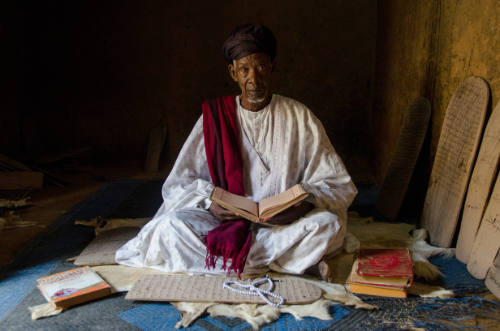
pixel 51 178
pixel 15 175
pixel 101 224
pixel 20 180
pixel 12 220
pixel 72 154
pixel 156 141
pixel 6 203
pixel 8 164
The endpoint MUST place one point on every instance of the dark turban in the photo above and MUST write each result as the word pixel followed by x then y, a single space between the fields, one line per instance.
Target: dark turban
pixel 248 39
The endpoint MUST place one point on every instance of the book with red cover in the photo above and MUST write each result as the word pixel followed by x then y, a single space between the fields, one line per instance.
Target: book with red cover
pixel 385 263
pixel 383 272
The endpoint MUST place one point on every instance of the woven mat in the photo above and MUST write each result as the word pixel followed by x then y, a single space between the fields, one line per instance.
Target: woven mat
pixel 102 249
pixel 209 289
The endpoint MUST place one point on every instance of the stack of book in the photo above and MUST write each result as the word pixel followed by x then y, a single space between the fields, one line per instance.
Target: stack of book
pixel 382 272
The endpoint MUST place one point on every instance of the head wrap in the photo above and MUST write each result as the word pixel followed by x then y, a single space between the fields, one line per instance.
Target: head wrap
pixel 248 39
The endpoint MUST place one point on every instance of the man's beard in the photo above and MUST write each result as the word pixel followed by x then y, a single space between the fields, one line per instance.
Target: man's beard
pixel 256 97
pixel 256 100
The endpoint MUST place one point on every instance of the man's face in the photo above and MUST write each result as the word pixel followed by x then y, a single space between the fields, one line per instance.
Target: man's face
pixel 253 75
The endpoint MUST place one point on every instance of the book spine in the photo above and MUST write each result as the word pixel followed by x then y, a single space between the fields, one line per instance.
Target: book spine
pixel 378 285
pixel 72 301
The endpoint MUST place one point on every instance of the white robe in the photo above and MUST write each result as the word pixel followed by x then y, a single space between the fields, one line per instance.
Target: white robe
pixel 282 145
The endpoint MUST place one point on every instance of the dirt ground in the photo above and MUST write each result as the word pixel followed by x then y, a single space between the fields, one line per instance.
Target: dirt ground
pixel 49 203
pixel 52 201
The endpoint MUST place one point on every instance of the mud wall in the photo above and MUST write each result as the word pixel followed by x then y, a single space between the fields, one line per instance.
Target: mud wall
pixel 104 73
pixel 427 48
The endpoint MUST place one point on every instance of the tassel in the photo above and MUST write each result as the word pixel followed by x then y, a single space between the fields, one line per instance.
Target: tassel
pixel 230 240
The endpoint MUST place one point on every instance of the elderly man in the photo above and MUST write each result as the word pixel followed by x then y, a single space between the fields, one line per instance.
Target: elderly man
pixel 256 144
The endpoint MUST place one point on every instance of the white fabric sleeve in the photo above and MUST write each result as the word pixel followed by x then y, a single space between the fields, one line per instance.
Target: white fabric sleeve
pixel 325 177
pixel 189 185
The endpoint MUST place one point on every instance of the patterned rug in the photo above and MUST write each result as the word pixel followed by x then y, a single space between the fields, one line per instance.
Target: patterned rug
pixel 137 198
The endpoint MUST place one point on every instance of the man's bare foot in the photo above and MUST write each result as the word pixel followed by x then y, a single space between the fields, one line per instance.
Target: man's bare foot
pixel 320 270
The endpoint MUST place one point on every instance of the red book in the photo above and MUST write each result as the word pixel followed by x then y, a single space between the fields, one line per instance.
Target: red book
pixel 385 263
pixel 384 272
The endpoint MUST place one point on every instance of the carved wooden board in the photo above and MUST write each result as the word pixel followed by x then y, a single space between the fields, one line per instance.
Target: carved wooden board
pixel 455 155
pixel 403 162
pixel 163 287
pixel 102 250
pixel 487 240
pixel 156 140
pixel 493 277
pixel 20 180
pixel 481 182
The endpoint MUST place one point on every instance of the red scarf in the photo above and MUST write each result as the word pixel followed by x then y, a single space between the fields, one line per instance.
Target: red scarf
pixel 231 239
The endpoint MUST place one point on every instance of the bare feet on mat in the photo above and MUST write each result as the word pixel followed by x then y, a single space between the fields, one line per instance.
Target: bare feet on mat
pixel 320 270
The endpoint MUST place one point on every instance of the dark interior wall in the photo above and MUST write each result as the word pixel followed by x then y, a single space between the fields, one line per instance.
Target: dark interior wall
pixel 427 48
pixel 11 77
pixel 104 73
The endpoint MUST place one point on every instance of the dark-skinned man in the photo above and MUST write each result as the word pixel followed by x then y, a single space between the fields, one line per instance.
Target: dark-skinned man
pixel 257 144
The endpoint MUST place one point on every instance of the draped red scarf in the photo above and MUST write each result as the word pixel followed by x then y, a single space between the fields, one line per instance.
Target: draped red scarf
pixel 231 239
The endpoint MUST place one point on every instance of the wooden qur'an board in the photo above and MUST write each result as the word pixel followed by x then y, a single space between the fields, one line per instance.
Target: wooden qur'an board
pixel 455 155
pixel 164 287
pixel 401 167
pixel 493 277
pixel 487 240
pixel 102 250
pixel 482 180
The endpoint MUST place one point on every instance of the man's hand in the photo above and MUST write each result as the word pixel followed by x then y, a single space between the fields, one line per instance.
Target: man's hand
pixel 291 214
pixel 221 213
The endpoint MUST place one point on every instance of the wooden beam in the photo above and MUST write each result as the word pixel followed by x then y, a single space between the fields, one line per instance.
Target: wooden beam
pixel 19 180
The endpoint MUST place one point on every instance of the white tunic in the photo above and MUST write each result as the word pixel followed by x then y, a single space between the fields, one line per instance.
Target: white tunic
pixel 282 145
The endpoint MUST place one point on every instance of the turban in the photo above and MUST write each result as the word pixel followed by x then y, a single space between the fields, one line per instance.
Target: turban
pixel 248 39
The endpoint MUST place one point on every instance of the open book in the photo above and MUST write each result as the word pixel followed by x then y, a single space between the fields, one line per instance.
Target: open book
pixel 258 212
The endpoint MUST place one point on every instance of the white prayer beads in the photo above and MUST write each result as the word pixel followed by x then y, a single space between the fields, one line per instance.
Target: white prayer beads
pixel 252 289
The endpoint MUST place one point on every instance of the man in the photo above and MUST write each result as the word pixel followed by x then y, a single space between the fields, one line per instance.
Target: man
pixel 256 144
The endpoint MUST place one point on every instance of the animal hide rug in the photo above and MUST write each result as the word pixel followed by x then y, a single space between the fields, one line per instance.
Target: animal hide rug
pixel 363 232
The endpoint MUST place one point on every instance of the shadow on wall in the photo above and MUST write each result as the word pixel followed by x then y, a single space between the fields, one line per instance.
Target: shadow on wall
pixel 103 74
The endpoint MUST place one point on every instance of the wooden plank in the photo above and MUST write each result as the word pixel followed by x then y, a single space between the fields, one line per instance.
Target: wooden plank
pixel 102 250
pixel 51 178
pixel 156 140
pixel 493 277
pixel 18 203
pixel 481 183
pixel 455 155
pixel 403 162
pixel 71 154
pixel 487 240
pixel 162 287
pixel 12 164
pixel 19 180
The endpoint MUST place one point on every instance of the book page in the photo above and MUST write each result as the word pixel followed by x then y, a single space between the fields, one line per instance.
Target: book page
pixel 290 196
pixel 221 195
